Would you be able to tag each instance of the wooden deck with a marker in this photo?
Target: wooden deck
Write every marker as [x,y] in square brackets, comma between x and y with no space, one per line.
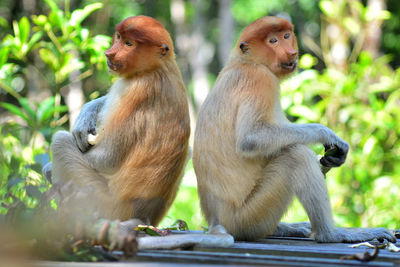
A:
[272,251]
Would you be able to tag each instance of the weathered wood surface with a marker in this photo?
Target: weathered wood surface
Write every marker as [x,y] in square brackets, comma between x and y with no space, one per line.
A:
[272,251]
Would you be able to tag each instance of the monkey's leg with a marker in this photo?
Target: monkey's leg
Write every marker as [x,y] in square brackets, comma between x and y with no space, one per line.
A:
[261,211]
[310,188]
[78,181]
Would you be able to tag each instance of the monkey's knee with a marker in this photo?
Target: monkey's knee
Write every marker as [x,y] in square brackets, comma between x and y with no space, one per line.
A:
[64,148]
[61,141]
[302,157]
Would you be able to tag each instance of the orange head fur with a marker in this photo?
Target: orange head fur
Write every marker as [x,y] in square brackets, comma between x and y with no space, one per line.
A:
[140,44]
[269,41]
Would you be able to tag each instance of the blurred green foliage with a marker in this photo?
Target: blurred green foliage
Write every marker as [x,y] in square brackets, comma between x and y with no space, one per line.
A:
[63,46]
[363,108]
[358,98]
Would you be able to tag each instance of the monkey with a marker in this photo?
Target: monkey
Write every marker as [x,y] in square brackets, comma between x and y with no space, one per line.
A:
[250,160]
[141,129]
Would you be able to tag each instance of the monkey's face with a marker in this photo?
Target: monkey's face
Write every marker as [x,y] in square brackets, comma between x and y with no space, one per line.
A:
[281,52]
[139,45]
[270,41]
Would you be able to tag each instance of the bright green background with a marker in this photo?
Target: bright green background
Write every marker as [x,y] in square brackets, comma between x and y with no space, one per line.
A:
[45,44]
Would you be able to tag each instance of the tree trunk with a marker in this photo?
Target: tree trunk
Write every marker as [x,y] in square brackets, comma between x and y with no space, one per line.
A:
[200,55]
[74,97]
[373,32]
[226,26]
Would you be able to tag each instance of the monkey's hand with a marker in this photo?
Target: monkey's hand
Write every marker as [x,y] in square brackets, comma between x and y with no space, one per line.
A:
[334,155]
[335,149]
[86,123]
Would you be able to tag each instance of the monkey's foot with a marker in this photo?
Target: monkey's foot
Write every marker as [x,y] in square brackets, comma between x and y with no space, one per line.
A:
[111,234]
[302,229]
[217,230]
[353,235]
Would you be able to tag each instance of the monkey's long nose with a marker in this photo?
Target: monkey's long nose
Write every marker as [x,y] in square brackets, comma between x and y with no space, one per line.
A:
[292,53]
[109,53]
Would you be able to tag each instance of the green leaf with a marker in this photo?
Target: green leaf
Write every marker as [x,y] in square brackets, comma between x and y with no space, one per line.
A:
[307,61]
[80,14]
[40,20]
[70,64]
[25,104]
[3,55]
[49,58]
[45,109]
[16,39]
[374,14]
[151,230]
[3,23]
[53,6]
[35,38]
[352,25]
[328,8]
[61,109]
[15,110]
[24,29]
[56,16]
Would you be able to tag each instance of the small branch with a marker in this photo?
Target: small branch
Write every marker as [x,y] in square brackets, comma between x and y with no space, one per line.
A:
[9,90]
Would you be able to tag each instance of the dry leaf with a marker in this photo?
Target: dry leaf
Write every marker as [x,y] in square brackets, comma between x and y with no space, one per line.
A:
[362,256]
[151,230]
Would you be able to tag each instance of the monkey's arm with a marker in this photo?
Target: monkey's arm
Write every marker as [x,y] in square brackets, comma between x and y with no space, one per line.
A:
[259,138]
[86,122]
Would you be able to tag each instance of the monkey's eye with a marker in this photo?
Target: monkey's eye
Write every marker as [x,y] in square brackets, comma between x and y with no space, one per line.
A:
[273,40]
[128,43]
[286,36]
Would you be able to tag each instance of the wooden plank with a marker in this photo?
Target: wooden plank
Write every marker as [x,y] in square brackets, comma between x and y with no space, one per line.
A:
[273,251]
[307,248]
[201,257]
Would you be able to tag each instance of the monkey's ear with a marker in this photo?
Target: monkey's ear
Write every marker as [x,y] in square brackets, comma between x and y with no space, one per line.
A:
[164,49]
[244,47]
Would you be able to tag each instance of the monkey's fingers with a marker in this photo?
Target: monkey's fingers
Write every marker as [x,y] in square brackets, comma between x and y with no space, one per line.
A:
[336,150]
[332,161]
[81,140]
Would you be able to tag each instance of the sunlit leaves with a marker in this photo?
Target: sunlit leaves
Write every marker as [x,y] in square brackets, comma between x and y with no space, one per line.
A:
[362,107]
[79,15]
[307,61]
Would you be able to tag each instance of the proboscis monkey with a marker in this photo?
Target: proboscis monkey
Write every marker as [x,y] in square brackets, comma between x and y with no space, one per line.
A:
[250,161]
[141,127]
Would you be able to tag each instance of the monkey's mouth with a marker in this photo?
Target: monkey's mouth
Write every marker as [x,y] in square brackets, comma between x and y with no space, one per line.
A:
[113,66]
[290,66]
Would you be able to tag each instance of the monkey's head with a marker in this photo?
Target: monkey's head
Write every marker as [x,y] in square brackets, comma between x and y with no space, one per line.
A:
[269,41]
[140,44]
